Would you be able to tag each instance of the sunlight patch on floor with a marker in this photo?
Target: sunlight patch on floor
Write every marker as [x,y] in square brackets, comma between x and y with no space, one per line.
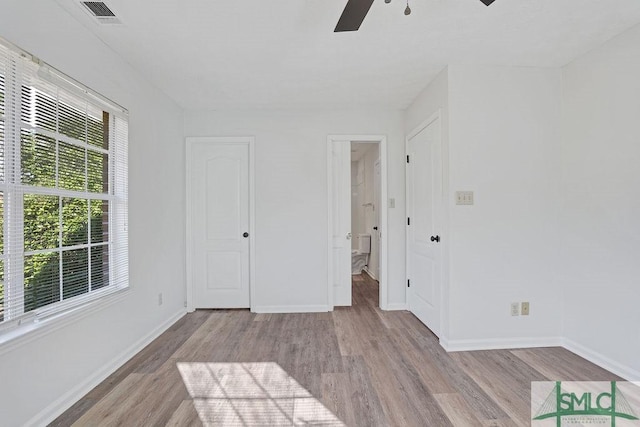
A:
[251,394]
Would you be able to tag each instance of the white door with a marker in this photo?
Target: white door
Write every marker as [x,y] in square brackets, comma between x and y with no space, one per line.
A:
[341,221]
[218,175]
[424,207]
[374,261]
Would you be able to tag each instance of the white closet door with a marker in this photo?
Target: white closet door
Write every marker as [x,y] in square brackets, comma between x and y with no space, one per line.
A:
[219,214]
[424,207]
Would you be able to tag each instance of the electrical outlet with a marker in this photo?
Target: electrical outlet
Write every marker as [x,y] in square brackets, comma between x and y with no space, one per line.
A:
[160,298]
[524,309]
[515,309]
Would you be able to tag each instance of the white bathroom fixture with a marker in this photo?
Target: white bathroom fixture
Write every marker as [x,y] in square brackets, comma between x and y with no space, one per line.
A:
[360,256]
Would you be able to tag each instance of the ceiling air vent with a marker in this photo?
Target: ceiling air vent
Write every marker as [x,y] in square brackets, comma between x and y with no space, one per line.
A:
[101,12]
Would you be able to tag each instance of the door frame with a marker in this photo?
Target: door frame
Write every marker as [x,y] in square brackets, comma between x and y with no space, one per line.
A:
[381,140]
[443,220]
[219,140]
[377,163]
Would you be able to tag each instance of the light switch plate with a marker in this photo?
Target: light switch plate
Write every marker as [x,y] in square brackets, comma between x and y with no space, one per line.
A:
[392,203]
[464,197]
[515,309]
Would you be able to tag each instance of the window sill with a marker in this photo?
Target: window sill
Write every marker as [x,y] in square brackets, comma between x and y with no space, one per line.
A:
[48,322]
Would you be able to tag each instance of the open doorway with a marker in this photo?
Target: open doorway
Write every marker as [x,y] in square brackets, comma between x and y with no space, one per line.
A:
[357,216]
[365,212]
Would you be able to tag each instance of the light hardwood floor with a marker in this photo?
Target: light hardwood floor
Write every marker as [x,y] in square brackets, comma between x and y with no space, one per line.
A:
[356,366]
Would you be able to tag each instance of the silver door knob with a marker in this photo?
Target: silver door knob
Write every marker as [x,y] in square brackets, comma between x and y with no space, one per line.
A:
[348,236]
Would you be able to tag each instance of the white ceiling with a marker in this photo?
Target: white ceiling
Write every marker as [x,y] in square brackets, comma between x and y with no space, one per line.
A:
[283,54]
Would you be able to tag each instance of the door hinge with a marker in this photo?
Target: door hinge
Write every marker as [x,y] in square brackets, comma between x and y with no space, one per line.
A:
[408,221]
[408,283]
[407,158]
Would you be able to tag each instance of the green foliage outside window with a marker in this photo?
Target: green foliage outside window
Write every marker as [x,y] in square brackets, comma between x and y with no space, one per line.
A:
[53,222]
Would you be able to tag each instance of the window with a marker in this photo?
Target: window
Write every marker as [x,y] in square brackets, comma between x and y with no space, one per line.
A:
[63,191]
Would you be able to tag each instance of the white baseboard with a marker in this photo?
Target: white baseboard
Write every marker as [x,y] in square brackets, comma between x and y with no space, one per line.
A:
[592,356]
[397,306]
[290,309]
[370,274]
[500,344]
[599,359]
[64,402]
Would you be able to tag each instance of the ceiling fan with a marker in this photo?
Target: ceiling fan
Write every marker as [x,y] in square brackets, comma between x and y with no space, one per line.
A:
[355,11]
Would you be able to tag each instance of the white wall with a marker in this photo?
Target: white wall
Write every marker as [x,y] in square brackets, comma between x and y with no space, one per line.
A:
[501,139]
[369,210]
[504,144]
[552,156]
[356,189]
[40,375]
[368,163]
[291,196]
[434,97]
[600,204]
[359,198]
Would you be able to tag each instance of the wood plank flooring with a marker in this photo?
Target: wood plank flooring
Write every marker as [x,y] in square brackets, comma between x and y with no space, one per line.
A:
[356,366]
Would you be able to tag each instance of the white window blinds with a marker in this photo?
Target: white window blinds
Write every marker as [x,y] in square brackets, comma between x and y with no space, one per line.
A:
[63,190]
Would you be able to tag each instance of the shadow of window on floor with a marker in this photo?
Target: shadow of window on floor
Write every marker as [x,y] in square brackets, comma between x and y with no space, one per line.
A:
[251,394]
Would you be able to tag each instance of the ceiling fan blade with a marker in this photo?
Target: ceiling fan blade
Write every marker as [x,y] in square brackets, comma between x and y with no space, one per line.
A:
[353,15]
[487,2]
